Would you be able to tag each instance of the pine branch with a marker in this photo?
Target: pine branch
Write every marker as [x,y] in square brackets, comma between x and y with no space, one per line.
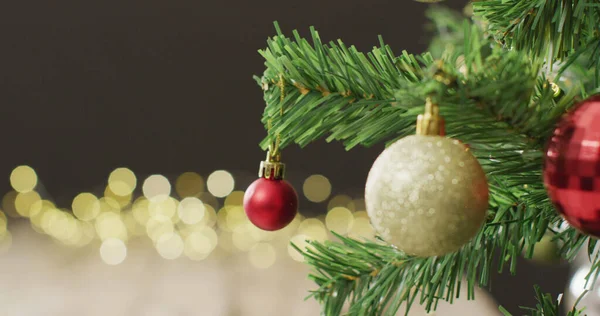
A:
[332,89]
[552,29]
[557,30]
[335,90]
[497,101]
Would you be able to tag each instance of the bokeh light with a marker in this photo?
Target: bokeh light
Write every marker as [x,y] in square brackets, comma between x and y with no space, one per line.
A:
[156,187]
[37,212]
[339,219]
[140,210]
[235,198]
[122,200]
[244,240]
[209,199]
[64,228]
[222,219]
[262,255]
[210,216]
[8,204]
[191,210]
[133,226]
[108,204]
[122,181]
[23,179]
[226,241]
[25,201]
[236,218]
[362,229]
[170,246]
[164,207]
[314,229]
[86,206]
[316,188]
[113,251]
[190,226]
[189,184]
[339,200]
[220,183]
[158,226]
[109,225]
[3,224]
[87,234]
[199,244]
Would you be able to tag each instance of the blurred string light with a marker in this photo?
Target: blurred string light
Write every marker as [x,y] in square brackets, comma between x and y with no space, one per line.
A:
[156,187]
[191,210]
[341,200]
[24,202]
[86,206]
[179,222]
[220,183]
[339,219]
[316,188]
[5,235]
[8,204]
[3,224]
[170,246]
[122,182]
[113,251]
[189,184]
[23,179]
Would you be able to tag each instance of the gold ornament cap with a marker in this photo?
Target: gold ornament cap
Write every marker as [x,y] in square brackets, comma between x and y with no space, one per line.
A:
[272,168]
[431,123]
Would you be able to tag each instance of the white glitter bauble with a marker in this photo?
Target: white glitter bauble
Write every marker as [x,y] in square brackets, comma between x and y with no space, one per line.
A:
[427,195]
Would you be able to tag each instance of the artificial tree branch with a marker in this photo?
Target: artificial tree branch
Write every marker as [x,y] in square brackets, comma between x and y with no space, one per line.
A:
[497,101]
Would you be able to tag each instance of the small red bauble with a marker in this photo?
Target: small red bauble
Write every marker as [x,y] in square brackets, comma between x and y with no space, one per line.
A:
[270,204]
[572,167]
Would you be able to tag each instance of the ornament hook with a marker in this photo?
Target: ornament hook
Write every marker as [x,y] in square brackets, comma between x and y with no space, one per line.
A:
[272,167]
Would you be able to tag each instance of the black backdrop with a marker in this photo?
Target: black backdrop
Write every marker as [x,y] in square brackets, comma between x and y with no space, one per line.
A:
[165,87]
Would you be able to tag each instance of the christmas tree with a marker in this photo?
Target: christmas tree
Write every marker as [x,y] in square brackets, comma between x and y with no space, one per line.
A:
[502,74]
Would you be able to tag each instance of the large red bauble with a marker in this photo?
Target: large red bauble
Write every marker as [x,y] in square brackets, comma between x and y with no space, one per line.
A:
[270,204]
[572,167]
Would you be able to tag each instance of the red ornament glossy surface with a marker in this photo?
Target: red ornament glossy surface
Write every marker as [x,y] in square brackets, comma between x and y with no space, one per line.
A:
[270,204]
[572,167]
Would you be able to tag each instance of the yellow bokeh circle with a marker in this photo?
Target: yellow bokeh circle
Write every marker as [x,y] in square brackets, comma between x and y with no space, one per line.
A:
[25,201]
[189,184]
[86,206]
[339,219]
[191,210]
[170,246]
[156,187]
[23,179]
[316,188]
[220,183]
[113,251]
[122,181]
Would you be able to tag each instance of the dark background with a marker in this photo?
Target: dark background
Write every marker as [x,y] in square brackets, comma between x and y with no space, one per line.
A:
[166,87]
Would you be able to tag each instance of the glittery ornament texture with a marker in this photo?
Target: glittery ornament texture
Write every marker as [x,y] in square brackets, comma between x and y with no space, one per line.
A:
[427,195]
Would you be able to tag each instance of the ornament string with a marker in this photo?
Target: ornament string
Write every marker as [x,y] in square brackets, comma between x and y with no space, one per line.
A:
[273,153]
